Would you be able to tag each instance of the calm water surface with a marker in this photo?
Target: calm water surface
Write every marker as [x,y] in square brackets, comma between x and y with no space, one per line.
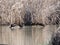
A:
[28,35]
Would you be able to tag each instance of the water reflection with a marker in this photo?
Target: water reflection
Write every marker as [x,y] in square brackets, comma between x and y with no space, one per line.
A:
[28,35]
[0,34]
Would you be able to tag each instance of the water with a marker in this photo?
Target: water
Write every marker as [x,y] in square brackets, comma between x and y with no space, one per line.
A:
[28,35]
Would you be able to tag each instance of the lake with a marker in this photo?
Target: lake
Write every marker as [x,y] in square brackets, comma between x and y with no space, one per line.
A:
[28,35]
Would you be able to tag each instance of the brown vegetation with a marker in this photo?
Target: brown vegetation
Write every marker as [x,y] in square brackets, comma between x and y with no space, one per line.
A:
[41,11]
